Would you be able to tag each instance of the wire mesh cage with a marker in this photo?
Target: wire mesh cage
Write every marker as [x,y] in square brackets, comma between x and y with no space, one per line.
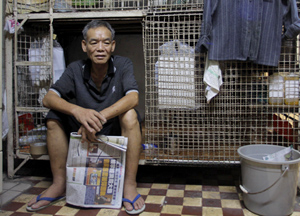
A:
[33,6]
[181,127]
[32,79]
[33,84]
[33,66]
[27,6]
[152,6]
[160,6]
[31,129]
[105,5]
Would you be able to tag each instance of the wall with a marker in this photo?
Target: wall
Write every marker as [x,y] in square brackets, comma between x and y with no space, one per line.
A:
[131,46]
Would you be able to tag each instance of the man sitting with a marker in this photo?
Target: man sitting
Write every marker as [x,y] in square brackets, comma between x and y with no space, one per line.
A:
[93,96]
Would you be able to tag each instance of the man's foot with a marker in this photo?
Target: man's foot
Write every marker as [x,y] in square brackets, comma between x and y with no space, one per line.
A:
[50,199]
[130,193]
[54,191]
[134,211]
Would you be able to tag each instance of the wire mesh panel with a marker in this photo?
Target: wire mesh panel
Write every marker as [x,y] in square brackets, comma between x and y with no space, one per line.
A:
[105,5]
[32,85]
[158,6]
[179,123]
[33,66]
[31,129]
[33,77]
[27,6]
[30,6]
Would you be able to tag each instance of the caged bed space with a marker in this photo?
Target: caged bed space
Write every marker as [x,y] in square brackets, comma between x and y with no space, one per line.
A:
[181,126]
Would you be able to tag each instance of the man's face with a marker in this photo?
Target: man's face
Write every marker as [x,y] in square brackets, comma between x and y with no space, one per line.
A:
[99,45]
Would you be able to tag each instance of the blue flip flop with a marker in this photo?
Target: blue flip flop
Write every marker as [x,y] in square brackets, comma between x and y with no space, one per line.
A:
[133,211]
[50,199]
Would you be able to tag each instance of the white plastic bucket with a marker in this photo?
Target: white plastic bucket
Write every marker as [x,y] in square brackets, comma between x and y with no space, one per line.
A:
[269,187]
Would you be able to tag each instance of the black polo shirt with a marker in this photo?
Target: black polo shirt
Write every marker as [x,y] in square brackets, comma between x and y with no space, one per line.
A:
[76,86]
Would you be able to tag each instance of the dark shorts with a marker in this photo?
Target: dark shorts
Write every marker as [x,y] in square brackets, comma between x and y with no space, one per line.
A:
[111,127]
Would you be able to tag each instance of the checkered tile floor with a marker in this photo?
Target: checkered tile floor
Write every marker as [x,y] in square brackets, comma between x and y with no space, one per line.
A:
[168,191]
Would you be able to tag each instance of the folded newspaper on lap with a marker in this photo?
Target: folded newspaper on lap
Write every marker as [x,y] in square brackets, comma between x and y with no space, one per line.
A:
[95,172]
[118,142]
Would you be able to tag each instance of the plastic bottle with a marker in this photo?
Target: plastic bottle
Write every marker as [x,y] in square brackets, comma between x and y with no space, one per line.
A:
[276,89]
[291,83]
[149,148]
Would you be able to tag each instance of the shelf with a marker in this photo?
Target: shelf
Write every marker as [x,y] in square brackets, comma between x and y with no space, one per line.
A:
[31,109]
[28,63]
[84,15]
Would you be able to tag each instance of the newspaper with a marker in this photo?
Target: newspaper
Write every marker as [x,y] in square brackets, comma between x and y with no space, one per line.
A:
[117,142]
[95,172]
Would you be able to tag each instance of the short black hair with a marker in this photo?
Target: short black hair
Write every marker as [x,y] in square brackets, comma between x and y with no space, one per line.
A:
[96,24]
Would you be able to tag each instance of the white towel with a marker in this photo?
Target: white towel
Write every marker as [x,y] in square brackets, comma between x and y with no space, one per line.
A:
[212,79]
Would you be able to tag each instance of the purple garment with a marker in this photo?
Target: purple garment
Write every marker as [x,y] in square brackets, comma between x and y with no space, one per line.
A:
[247,29]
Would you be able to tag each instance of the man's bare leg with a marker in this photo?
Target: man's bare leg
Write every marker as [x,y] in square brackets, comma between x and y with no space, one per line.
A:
[57,144]
[131,129]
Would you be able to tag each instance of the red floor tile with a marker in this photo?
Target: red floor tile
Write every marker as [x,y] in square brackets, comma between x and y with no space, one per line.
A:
[157,192]
[210,187]
[177,186]
[191,210]
[211,202]
[12,206]
[193,194]
[87,212]
[174,200]
[232,212]
[35,190]
[153,208]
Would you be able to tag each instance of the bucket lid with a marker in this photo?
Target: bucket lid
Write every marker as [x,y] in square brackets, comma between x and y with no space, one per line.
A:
[256,153]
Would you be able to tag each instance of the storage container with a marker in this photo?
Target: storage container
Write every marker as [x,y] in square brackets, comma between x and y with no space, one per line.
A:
[291,89]
[276,89]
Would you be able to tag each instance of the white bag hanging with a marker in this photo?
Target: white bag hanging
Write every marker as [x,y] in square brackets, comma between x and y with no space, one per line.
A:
[175,76]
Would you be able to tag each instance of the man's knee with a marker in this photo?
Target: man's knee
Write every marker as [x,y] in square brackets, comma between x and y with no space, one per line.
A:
[53,125]
[129,119]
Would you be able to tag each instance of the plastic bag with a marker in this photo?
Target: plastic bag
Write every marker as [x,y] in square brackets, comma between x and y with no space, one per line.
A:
[176,49]
[39,52]
[10,26]
[175,76]
[59,64]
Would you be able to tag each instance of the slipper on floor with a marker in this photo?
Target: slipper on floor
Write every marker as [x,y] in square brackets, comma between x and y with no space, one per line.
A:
[50,199]
[133,211]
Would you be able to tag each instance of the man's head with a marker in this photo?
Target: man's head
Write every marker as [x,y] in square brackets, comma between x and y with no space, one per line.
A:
[98,41]
[96,24]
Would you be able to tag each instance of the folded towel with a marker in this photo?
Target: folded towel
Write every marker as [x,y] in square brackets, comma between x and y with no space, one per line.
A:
[212,79]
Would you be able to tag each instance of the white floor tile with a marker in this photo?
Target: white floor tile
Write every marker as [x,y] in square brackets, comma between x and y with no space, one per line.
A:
[7,185]
[21,187]
[8,196]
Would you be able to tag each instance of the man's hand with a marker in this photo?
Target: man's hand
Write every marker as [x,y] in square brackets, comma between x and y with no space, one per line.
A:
[86,136]
[92,120]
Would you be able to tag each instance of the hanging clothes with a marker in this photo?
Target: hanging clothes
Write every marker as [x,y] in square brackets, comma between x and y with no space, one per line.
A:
[247,29]
[212,79]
